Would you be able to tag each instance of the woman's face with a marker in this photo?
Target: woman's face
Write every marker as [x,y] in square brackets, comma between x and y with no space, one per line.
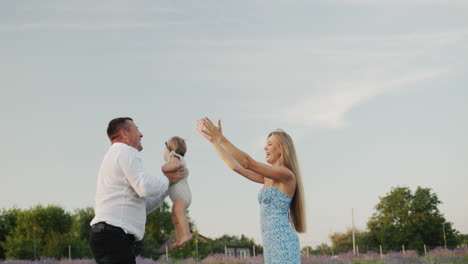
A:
[273,150]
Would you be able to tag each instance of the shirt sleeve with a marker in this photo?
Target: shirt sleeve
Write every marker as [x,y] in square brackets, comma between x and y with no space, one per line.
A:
[153,202]
[144,184]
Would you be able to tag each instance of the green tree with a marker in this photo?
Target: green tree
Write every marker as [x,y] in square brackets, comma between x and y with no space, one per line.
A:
[463,240]
[79,232]
[307,249]
[46,227]
[7,225]
[203,244]
[343,242]
[412,220]
[49,231]
[322,249]
[207,246]
[158,229]
[229,240]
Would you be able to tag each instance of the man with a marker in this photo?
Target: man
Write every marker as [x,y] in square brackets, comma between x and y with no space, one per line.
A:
[125,194]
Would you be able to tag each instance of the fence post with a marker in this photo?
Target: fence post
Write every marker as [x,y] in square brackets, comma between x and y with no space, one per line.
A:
[354,238]
[35,228]
[403,247]
[167,254]
[425,253]
[196,246]
[380,251]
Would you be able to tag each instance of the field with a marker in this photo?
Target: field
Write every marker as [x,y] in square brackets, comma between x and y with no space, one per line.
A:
[436,256]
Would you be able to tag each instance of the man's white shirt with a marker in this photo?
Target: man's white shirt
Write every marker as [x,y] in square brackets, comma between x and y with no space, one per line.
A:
[126,192]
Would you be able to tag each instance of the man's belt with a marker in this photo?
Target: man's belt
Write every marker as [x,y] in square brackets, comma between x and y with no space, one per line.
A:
[101,226]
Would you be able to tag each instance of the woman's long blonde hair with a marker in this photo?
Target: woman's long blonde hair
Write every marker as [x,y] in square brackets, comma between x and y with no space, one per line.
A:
[297,208]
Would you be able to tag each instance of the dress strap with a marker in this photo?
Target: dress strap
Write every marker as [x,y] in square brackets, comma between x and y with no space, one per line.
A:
[173,153]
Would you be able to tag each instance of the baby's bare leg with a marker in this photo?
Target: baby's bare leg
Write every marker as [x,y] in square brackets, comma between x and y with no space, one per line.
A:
[177,226]
[182,226]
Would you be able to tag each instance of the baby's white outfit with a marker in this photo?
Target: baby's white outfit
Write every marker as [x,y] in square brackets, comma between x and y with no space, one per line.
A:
[181,188]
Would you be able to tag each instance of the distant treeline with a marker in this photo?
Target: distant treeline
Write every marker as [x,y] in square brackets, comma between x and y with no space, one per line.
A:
[402,220]
[51,231]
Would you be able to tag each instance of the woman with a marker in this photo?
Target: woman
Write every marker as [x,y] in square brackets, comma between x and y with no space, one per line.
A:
[281,198]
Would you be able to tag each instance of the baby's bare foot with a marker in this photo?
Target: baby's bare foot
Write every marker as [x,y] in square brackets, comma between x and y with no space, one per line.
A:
[174,245]
[184,240]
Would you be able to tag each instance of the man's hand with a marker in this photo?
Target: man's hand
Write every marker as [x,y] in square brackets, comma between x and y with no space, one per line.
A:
[177,175]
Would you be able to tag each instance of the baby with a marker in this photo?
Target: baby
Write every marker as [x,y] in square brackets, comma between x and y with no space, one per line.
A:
[179,192]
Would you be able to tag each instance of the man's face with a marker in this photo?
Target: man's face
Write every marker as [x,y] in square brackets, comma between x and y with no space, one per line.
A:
[133,135]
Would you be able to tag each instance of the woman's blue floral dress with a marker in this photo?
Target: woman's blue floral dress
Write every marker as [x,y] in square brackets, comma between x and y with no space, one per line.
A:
[280,240]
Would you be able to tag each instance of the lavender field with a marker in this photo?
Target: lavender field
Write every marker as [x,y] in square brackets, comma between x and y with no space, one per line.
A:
[436,256]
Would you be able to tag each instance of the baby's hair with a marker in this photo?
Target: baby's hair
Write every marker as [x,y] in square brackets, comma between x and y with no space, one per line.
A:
[176,144]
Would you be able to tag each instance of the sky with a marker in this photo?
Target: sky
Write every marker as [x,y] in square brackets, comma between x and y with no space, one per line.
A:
[373,94]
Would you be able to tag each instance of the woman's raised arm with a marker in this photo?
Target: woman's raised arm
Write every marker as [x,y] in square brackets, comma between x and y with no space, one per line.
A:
[230,161]
[234,165]
[215,135]
[276,173]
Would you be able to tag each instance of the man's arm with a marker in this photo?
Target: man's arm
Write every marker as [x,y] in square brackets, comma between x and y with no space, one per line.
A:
[142,182]
[154,202]
[178,175]
[172,165]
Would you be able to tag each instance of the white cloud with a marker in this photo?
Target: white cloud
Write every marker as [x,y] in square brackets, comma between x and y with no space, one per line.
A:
[359,69]
[327,107]
[317,82]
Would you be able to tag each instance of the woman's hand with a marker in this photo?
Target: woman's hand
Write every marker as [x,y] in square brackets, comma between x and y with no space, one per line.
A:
[208,130]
